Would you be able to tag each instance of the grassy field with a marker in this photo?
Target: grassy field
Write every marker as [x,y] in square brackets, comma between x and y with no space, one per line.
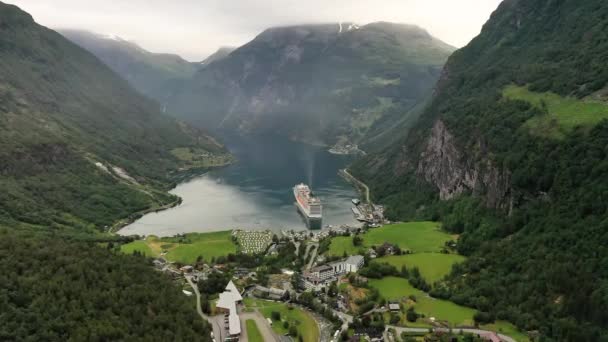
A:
[139,245]
[207,245]
[433,266]
[565,113]
[393,288]
[343,244]
[418,237]
[187,249]
[253,333]
[304,322]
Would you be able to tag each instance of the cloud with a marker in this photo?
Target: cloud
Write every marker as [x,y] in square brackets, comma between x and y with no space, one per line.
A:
[196,28]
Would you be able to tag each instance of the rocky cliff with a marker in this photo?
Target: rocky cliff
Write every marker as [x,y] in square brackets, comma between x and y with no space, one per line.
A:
[455,172]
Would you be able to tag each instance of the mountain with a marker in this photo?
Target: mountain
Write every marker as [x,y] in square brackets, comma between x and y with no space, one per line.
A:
[220,54]
[322,84]
[79,147]
[511,154]
[153,74]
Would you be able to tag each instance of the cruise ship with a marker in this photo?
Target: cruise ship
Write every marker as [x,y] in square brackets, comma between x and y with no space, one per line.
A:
[309,206]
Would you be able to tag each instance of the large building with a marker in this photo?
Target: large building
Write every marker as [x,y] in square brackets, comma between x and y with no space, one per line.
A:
[319,276]
[228,301]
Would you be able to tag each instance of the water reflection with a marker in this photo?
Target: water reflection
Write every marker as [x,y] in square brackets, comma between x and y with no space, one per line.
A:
[255,193]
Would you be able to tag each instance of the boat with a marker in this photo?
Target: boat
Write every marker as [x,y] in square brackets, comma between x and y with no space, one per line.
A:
[309,206]
[356,201]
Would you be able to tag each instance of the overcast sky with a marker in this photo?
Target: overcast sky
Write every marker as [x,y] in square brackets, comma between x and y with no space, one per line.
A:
[196,28]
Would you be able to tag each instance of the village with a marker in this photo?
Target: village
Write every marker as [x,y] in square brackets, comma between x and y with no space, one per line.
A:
[288,287]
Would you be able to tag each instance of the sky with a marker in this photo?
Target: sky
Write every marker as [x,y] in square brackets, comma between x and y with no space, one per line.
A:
[196,28]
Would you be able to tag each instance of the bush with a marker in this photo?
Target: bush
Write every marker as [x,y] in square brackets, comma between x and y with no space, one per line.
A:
[411,315]
[483,318]
[275,315]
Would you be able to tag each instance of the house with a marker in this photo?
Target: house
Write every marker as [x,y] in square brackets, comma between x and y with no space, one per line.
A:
[271,293]
[351,265]
[227,303]
[187,269]
[323,272]
[173,273]
[394,307]
[159,263]
[319,276]
[241,272]
[354,263]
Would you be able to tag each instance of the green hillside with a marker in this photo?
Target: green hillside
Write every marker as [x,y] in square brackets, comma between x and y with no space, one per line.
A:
[79,147]
[523,180]
[61,290]
[315,83]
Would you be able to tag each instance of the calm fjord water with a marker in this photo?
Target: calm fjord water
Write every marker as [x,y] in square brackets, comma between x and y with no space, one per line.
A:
[256,192]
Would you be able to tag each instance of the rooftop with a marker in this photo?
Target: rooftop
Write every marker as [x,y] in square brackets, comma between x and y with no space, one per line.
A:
[228,300]
[354,259]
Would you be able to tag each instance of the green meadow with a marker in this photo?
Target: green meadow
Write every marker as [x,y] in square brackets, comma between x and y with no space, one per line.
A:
[140,245]
[253,332]
[417,237]
[393,288]
[433,266]
[564,113]
[302,320]
[186,249]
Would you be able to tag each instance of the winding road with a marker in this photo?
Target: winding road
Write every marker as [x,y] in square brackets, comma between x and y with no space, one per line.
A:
[215,322]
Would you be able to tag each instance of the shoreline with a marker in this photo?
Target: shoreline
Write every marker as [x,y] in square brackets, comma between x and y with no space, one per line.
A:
[361,187]
[186,175]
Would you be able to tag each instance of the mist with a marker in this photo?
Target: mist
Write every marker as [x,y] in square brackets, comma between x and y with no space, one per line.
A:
[194,29]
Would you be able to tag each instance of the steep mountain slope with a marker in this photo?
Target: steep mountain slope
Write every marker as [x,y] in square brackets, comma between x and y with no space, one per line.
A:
[153,74]
[317,83]
[79,146]
[511,152]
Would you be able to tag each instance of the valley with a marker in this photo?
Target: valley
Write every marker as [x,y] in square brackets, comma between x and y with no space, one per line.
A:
[319,181]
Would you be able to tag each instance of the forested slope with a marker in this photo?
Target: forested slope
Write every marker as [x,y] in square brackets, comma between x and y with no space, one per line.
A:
[521,178]
[60,290]
[78,146]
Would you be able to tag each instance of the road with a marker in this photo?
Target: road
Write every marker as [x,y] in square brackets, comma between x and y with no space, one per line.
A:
[502,337]
[262,323]
[308,246]
[215,322]
[314,255]
[346,319]
[360,184]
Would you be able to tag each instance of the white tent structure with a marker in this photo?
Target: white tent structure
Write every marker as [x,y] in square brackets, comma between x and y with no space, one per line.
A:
[228,301]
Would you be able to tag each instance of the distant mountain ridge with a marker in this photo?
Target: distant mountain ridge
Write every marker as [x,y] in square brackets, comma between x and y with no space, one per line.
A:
[316,83]
[220,54]
[150,73]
